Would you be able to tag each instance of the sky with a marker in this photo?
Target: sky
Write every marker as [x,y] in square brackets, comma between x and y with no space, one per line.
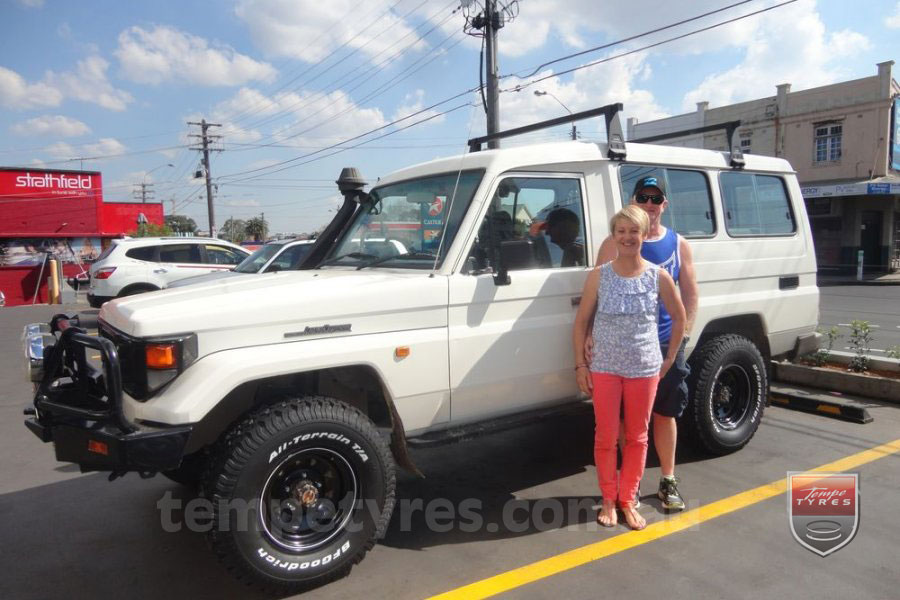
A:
[302,88]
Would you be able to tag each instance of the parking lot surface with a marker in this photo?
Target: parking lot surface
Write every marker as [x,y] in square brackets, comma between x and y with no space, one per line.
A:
[499,518]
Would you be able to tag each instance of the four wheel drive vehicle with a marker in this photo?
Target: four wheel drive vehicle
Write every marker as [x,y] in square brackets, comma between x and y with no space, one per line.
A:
[292,416]
[137,265]
[275,256]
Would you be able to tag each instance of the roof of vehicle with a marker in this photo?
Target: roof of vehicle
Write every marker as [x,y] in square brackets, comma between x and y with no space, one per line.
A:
[537,155]
[173,239]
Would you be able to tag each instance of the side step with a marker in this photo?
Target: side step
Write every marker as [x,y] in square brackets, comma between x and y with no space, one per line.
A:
[473,430]
[830,404]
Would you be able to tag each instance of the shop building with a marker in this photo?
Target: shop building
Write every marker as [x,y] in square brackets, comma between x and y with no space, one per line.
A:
[57,214]
[844,141]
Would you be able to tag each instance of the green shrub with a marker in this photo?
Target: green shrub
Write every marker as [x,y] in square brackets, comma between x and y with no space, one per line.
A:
[860,340]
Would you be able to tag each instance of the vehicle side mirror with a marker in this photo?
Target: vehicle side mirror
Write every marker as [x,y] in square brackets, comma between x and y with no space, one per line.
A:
[515,255]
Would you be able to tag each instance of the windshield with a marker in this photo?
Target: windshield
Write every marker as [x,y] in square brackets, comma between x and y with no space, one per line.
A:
[255,262]
[409,218]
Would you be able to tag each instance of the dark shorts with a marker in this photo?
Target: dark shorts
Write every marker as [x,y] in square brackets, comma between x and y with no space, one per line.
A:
[672,391]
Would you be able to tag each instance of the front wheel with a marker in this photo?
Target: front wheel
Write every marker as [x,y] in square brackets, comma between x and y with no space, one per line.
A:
[300,491]
[729,387]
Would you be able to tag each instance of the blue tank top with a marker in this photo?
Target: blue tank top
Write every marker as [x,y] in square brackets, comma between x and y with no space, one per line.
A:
[664,252]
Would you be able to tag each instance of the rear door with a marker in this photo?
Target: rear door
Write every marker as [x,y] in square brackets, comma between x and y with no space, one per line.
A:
[177,261]
[510,345]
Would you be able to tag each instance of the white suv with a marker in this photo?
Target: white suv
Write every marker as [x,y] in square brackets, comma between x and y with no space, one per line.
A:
[133,266]
[292,398]
[280,255]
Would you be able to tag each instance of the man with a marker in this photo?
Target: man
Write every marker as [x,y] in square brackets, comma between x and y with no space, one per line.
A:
[563,227]
[669,250]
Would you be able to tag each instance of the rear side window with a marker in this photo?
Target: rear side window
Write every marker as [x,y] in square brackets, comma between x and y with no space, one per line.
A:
[180,253]
[147,253]
[219,255]
[756,205]
[689,211]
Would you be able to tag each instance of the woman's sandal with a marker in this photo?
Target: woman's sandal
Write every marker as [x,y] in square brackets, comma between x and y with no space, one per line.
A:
[612,519]
[632,517]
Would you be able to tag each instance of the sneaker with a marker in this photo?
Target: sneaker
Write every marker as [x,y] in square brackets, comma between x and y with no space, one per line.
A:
[668,494]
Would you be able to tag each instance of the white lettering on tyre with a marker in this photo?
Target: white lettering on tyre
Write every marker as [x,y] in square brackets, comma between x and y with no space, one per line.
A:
[319,435]
[294,566]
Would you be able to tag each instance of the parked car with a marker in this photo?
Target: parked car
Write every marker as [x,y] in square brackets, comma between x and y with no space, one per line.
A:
[280,255]
[136,265]
[297,395]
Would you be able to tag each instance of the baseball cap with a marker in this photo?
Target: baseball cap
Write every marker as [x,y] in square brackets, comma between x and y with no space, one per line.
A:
[650,181]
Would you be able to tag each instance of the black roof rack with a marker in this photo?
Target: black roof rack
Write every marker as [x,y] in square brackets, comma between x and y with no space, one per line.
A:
[737,157]
[614,136]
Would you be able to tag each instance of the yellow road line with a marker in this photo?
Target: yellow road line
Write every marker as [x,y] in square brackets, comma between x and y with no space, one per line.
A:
[580,556]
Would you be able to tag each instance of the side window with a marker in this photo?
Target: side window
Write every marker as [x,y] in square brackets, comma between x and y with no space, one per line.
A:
[756,205]
[290,258]
[544,215]
[220,255]
[180,253]
[690,210]
[147,253]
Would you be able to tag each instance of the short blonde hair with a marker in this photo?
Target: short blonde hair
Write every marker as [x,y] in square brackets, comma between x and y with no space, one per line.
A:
[634,215]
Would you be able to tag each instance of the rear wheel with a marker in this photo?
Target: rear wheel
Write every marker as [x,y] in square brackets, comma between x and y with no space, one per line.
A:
[301,490]
[729,387]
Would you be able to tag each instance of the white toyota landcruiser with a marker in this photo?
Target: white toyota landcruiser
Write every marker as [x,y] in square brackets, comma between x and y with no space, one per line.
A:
[296,401]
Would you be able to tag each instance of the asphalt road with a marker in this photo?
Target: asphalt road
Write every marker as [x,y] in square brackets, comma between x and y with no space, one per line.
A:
[73,535]
[879,305]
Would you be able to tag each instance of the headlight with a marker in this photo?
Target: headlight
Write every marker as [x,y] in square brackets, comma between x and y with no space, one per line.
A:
[148,364]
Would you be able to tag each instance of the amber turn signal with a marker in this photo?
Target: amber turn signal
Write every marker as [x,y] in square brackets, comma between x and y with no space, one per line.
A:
[401,351]
[98,447]
[161,356]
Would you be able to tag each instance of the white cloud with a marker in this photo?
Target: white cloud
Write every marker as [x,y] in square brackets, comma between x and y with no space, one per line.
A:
[167,54]
[413,103]
[893,21]
[17,93]
[606,83]
[103,147]
[88,83]
[311,29]
[55,125]
[791,45]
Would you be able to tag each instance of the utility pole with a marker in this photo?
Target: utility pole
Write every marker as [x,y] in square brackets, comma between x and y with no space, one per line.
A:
[486,24]
[143,192]
[491,25]
[205,149]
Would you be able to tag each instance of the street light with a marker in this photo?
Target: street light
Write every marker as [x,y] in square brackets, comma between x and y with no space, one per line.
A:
[156,169]
[540,93]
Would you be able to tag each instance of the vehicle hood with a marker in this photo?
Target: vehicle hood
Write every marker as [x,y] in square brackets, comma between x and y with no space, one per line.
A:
[287,306]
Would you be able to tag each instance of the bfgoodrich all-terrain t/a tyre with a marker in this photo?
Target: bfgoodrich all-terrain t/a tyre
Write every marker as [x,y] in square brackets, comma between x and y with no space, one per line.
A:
[300,490]
[729,387]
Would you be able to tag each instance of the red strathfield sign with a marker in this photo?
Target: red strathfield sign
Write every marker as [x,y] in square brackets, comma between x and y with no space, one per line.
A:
[45,184]
[823,509]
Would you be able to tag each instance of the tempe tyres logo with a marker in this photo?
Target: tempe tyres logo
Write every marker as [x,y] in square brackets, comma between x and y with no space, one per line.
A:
[823,509]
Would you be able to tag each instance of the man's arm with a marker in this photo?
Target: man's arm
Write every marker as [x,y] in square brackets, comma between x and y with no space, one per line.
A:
[687,283]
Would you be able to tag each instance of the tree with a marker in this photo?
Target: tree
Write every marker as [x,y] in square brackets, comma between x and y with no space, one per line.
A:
[151,230]
[181,224]
[233,230]
[257,228]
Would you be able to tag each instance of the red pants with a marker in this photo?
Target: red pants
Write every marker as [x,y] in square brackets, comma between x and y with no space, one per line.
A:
[638,394]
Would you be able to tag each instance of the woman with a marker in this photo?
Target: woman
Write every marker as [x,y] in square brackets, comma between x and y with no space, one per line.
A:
[627,362]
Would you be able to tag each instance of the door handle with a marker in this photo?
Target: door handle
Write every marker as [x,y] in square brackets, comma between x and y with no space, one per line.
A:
[576,300]
[160,271]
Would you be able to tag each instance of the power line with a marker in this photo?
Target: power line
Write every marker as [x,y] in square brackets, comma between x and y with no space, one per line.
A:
[522,86]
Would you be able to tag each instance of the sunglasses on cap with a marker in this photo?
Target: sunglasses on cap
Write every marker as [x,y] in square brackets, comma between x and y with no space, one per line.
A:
[654,198]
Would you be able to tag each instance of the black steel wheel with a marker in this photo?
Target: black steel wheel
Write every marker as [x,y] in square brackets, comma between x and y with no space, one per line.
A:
[729,386]
[301,490]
